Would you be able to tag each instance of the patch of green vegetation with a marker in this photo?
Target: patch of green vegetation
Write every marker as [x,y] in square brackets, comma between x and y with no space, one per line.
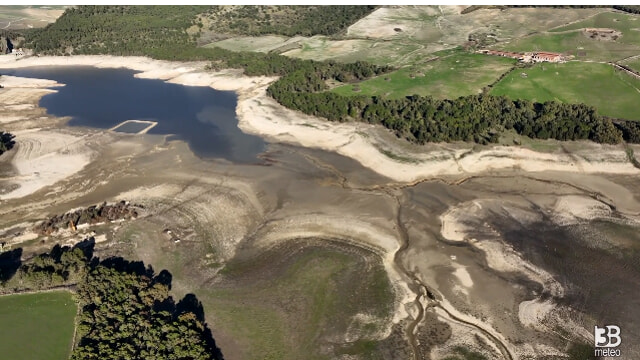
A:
[510,138]
[366,348]
[541,145]
[37,326]
[287,305]
[581,46]
[445,78]
[612,92]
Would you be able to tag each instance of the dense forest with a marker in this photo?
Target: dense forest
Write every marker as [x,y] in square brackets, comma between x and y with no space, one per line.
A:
[118,30]
[284,19]
[6,141]
[474,118]
[126,310]
[161,33]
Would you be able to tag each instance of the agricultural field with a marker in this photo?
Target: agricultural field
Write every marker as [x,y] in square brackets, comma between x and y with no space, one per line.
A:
[448,77]
[294,300]
[37,326]
[22,17]
[572,40]
[616,93]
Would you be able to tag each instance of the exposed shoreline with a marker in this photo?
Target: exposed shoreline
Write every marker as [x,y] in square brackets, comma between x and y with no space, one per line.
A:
[261,115]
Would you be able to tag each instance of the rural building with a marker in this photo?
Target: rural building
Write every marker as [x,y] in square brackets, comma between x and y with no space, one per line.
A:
[546,57]
[525,57]
[513,55]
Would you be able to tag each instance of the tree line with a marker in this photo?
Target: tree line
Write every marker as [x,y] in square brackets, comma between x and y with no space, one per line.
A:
[633,9]
[303,83]
[126,310]
[473,118]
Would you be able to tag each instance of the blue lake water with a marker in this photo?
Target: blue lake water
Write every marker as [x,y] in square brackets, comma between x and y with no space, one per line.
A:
[103,98]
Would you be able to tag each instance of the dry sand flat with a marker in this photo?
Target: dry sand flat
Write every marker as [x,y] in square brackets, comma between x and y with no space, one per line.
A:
[44,157]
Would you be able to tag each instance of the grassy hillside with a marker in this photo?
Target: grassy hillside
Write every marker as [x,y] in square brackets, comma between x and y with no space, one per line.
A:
[572,40]
[37,326]
[446,78]
[289,304]
[612,92]
[575,43]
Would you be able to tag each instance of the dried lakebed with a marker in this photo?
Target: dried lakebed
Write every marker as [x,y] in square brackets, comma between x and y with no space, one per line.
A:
[310,247]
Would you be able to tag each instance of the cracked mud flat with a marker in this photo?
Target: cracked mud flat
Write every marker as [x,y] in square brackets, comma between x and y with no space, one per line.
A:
[511,263]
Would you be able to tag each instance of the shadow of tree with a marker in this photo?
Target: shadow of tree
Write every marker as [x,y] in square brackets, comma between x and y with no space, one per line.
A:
[190,303]
[10,262]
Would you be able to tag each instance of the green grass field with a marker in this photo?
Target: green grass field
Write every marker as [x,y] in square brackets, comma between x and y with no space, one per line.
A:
[287,306]
[612,92]
[449,77]
[37,326]
[576,44]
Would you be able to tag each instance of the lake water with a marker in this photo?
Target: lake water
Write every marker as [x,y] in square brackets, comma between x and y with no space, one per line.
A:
[103,98]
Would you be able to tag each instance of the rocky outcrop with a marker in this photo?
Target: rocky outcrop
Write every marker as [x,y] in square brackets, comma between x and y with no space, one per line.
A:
[122,210]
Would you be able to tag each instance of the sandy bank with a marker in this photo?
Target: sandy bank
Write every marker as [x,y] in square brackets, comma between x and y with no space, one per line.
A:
[44,158]
[258,114]
[9,81]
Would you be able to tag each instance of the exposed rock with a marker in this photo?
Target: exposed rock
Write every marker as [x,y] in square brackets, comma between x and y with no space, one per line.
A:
[94,214]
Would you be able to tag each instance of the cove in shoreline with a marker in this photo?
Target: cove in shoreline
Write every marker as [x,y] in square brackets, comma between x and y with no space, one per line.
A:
[104,98]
